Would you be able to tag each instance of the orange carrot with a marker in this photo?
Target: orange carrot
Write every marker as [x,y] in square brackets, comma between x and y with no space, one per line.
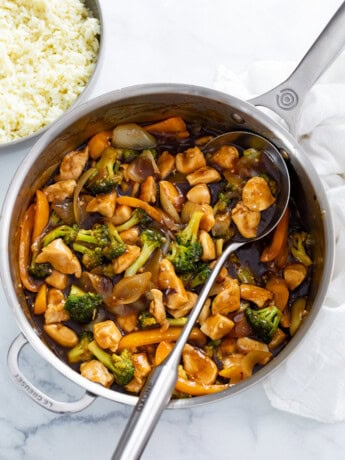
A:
[173,125]
[24,249]
[41,214]
[278,241]
[98,143]
[40,304]
[280,292]
[151,336]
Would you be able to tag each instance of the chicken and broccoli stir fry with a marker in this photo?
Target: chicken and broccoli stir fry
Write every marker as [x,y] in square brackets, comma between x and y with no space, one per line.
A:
[116,246]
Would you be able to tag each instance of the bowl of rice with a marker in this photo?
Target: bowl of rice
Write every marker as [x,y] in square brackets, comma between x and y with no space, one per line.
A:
[49,55]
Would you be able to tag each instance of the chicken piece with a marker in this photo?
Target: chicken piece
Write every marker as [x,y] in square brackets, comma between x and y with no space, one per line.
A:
[246,221]
[245,345]
[207,221]
[95,371]
[57,279]
[59,255]
[208,247]
[178,311]
[73,164]
[204,175]
[166,164]
[227,346]
[148,190]
[190,160]
[60,190]
[217,326]
[255,294]
[121,215]
[142,368]
[199,194]
[157,309]
[279,288]
[256,194]
[198,365]
[228,299]
[55,311]
[226,157]
[167,279]
[61,334]
[171,199]
[107,335]
[128,322]
[104,204]
[130,236]
[294,275]
[121,263]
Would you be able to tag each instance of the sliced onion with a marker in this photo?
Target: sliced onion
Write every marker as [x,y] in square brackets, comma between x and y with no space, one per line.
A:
[129,289]
[139,169]
[80,185]
[132,136]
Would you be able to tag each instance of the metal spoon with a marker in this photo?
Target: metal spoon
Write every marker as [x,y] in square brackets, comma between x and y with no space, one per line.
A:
[156,393]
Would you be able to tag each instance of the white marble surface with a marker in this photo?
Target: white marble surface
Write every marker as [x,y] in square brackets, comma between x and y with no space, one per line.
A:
[170,41]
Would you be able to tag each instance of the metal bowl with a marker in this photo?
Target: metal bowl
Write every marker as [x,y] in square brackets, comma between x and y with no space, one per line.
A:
[94,7]
[149,103]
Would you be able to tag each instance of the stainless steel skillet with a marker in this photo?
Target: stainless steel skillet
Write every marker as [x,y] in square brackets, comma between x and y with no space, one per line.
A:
[217,110]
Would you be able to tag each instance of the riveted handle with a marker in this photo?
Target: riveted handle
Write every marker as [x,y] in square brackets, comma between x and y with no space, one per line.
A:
[287,98]
[34,393]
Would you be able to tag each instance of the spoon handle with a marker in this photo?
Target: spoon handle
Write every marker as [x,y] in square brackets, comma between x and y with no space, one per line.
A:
[157,391]
[287,98]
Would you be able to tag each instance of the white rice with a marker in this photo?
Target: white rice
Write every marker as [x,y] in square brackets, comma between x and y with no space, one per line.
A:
[48,51]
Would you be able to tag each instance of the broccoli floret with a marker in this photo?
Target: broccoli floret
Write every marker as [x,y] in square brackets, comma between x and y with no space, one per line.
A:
[186,251]
[81,352]
[120,365]
[222,203]
[128,155]
[145,319]
[201,276]
[39,271]
[82,306]
[298,241]
[66,232]
[264,321]
[98,235]
[150,239]
[139,216]
[115,246]
[107,175]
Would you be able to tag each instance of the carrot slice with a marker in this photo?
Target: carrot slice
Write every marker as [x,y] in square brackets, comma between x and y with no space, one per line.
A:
[40,304]
[151,336]
[173,125]
[24,249]
[98,143]
[278,241]
[41,214]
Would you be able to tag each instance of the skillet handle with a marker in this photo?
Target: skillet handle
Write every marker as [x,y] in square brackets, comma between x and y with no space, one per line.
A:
[287,98]
[34,393]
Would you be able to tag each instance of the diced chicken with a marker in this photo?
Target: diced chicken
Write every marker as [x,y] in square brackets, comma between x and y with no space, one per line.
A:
[61,334]
[142,368]
[59,255]
[217,326]
[55,311]
[61,190]
[107,335]
[208,247]
[166,164]
[157,308]
[121,215]
[279,288]
[226,157]
[228,299]
[294,275]
[121,263]
[57,279]
[104,204]
[246,221]
[190,160]
[246,344]
[73,164]
[178,311]
[255,294]
[207,220]
[148,190]
[130,236]
[198,365]
[199,194]
[95,371]
[256,194]
[204,175]
[128,322]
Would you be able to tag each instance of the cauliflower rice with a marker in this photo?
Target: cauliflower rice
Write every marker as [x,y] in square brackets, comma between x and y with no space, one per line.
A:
[48,51]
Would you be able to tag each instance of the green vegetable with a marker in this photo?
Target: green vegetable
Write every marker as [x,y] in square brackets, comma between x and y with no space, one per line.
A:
[39,271]
[108,174]
[115,246]
[186,251]
[139,216]
[150,239]
[66,232]
[82,306]
[81,352]
[298,241]
[264,321]
[145,319]
[120,365]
